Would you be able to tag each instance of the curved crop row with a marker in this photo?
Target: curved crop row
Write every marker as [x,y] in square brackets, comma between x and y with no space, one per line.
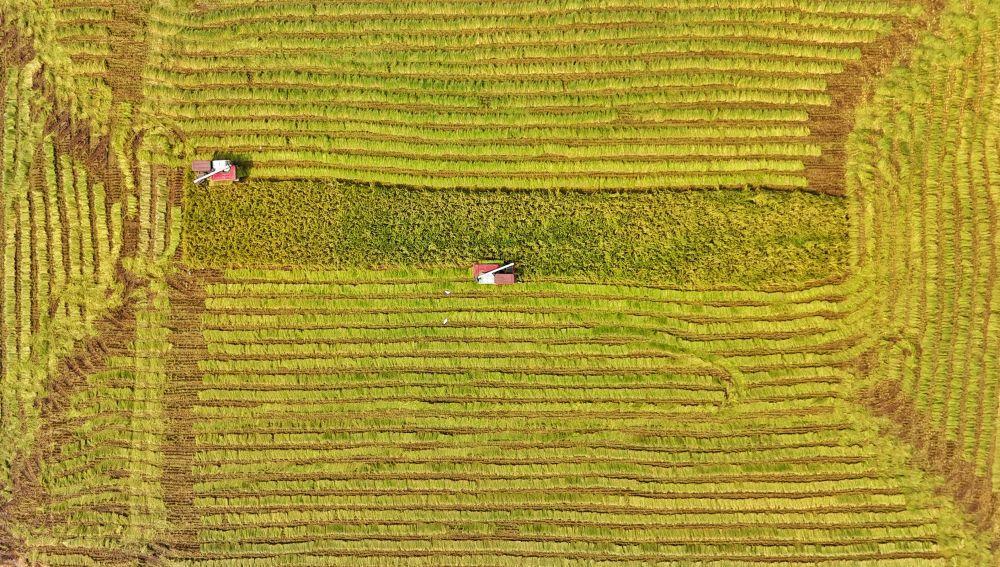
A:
[61,238]
[514,64]
[925,195]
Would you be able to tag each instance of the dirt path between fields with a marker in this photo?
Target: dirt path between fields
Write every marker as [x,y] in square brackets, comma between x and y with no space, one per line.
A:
[187,302]
[933,452]
[830,126]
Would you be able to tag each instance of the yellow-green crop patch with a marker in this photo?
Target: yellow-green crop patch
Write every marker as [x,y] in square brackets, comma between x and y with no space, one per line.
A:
[690,239]
[755,322]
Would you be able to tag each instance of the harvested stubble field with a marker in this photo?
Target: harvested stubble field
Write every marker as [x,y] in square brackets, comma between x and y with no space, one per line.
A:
[756,322]
[552,94]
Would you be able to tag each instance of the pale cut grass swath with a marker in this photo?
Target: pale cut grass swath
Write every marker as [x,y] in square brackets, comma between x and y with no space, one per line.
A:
[56,274]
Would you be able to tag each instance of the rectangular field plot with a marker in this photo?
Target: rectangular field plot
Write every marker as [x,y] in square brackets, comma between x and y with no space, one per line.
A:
[521,95]
[414,418]
[689,239]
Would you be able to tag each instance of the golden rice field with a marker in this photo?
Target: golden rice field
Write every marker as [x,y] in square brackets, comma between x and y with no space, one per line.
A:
[756,322]
[523,95]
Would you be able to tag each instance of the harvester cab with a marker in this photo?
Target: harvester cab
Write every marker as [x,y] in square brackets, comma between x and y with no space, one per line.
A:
[215,171]
[494,274]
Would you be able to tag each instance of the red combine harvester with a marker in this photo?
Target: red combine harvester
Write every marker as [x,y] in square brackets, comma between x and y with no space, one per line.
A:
[494,274]
[215,171]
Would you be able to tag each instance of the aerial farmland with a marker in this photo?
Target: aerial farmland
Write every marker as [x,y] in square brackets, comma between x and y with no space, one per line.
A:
[529,283]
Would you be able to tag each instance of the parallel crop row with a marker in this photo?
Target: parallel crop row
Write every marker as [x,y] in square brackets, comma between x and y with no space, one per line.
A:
[515,77]
[926,199]
[354,418]
[104,457]
[61,238]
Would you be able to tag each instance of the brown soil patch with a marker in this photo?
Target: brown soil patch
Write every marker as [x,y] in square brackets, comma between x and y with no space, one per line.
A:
[15,49]
[933,452]
[187,302]
[830,126]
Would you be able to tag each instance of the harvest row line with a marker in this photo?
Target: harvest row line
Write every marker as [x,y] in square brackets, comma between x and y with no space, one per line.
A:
[541,51]
[243,281]
[361,99]
[247,31]
[838,7]
[60,237]
[471,14]
[939,263]
[665,69]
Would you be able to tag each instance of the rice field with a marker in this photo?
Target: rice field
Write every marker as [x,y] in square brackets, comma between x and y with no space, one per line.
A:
[61,237]
[415,417]
[434,422]
[525,95]
[940,262]
[754,323]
